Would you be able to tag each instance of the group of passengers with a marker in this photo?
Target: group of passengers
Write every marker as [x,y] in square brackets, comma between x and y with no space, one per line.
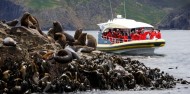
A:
[120,35]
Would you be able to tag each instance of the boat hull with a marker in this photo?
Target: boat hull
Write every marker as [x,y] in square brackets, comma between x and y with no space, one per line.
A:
[133,47]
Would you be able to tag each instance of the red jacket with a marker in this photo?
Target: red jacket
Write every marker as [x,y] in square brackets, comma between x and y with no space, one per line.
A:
[158,35]
[136,37]
[125,38]
[152,34]
[143,36]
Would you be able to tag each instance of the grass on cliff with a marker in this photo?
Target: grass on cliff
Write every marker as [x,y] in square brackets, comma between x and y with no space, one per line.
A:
[43,4]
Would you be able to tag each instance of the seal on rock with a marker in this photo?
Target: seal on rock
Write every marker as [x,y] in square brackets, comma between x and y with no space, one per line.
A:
[63,56]
[12,23]
[30,21]
[8,41]
[91,41]
[57,28]
[78,32]
[25,21]
[81,40]
[84,49]
[35,23]
[70,39]
[74,54]
[51,33]
[61,39]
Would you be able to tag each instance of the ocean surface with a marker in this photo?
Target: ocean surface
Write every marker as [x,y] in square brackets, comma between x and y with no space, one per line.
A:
[173,58]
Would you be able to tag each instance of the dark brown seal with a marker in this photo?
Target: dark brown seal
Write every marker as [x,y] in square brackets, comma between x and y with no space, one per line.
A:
[78,32]
[51,33]
[91,41]
[63,56]
[81,40]
[25,20]
[12,23]
[61,39]
[30,21]
[57,28]
[70,39]
[35,23]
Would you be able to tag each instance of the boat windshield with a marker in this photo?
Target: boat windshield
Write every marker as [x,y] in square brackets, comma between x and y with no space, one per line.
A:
[117,35]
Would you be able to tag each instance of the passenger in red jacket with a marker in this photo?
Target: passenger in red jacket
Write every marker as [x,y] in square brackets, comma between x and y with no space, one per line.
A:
[158,34]
[132,36]
[136,36]
[143,36]
[152,34]
[125,38]
[109,34]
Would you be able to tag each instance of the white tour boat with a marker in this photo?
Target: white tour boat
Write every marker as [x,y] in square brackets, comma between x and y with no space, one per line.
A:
[136,37]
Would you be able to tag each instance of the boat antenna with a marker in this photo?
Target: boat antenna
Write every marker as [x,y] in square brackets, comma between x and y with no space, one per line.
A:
[111,10]
[124,8]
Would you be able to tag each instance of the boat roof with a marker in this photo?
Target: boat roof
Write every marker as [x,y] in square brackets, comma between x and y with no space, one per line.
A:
[122,23]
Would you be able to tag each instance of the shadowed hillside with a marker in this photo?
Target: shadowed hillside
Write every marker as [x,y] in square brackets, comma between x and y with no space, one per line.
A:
[177,19]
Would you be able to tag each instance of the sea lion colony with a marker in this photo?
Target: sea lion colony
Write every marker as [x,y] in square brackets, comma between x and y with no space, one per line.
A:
[32,61]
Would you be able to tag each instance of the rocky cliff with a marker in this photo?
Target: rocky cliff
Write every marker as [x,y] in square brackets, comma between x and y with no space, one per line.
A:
[87,13]
[9,10]
[177,19]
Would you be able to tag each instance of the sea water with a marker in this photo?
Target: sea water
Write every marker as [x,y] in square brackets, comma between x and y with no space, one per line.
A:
[173,58]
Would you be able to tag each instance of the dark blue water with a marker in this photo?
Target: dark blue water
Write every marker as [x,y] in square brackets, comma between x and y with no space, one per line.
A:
[173,58]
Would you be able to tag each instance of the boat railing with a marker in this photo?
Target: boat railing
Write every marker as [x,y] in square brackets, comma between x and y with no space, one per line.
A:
[116,40]
[120,40]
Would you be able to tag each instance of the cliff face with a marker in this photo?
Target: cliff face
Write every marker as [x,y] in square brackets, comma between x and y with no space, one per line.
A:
[9,10]
[177,19]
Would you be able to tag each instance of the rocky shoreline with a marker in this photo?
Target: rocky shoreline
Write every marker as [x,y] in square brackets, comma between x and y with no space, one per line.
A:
[33,62]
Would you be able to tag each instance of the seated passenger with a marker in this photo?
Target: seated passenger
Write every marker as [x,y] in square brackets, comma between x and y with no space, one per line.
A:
[120,37]
[152,34]
[125,38]
[136,36]
[104,35]
[143,36]
[109,34]
[158,34]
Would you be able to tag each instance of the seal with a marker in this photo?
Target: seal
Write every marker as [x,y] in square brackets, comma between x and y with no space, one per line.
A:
[57,28]
[35,23]
[51,33]
[81,40]
[61,39]
[25,20]
[30,21]
[74,54]
[91,41]
[84,49]
[70,39]
[6,75]
[63,56]
[12,23]
[78,32]
[8,41]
